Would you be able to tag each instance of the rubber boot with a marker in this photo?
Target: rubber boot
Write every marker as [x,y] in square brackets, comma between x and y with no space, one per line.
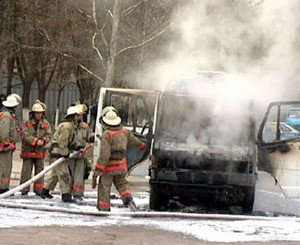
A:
[38,193]
[67,198]
[129,201]
[78,198]
[45,194]
[3,190]
[24,193]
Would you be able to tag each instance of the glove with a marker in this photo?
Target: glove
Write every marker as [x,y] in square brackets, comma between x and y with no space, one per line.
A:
[98,172]
[66,156]
[92,139]
[87,171]
[79,147]
[81,153]
[6,147]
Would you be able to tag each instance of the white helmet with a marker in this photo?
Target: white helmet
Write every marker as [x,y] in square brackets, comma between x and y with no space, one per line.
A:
[37,107]
[82,108]
[72,110]
[41,103]
[18,98]
[111,118]
[11,101]
[107,109]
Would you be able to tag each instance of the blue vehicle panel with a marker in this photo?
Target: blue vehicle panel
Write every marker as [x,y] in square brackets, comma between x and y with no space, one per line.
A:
[293,117]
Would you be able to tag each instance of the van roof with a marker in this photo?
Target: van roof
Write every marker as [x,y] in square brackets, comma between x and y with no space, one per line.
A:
[294,108]
[205,83]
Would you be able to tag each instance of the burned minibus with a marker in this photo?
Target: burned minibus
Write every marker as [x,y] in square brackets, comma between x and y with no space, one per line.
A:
[204,143]
[200,137]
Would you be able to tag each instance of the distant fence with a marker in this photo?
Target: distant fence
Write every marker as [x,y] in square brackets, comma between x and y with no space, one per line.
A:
[69,94]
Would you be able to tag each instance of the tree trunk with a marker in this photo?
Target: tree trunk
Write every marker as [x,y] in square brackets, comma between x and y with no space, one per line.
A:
[42,93]
[26,94]
[57,108]
[110,72]
[10,69]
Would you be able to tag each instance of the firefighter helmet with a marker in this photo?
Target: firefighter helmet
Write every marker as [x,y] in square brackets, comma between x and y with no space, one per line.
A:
[41,103]
[37,107]
[11,101]
[111,118]
[107,109]
[82,108]
[18,97]
[72,110]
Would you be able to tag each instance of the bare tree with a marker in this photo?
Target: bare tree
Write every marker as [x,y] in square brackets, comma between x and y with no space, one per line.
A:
[64,77]
[116,30]
[100,38]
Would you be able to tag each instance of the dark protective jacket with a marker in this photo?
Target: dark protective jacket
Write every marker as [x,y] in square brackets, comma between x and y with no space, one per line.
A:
[32,132]
[113,145]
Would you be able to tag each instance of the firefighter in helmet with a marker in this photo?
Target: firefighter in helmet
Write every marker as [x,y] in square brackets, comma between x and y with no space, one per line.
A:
[111,165]
[36,135]
[64,141]
[8,139]
[79,166]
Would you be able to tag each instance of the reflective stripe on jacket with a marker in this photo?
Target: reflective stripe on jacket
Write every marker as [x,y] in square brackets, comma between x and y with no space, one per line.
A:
[32,132]
[113,145]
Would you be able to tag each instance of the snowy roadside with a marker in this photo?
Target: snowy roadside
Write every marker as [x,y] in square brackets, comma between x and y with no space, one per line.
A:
[279,229]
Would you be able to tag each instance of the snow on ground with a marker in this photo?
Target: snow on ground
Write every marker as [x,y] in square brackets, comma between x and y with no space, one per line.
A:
[209,230]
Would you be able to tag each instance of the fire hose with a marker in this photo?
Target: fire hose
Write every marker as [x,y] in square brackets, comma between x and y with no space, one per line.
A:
[40,174]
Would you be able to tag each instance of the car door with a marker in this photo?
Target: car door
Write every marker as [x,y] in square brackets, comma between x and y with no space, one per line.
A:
[137,111]
[279,146]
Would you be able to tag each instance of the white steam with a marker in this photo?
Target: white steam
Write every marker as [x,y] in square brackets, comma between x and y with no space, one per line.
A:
[258,40]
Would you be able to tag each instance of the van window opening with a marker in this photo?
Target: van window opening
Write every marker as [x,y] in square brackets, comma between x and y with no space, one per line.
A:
[188,119]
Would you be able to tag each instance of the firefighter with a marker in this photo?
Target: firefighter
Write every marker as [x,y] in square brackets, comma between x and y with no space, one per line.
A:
[8,139]
[111,165]
[78,165]
[36,134]
[64,141]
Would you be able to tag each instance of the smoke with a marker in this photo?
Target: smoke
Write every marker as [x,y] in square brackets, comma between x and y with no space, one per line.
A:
[258,40]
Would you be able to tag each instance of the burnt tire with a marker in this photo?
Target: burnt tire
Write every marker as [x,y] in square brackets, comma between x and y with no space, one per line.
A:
[157,201]
[249,198]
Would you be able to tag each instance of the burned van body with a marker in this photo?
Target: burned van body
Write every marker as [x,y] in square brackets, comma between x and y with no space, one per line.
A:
[200,138]
[204,144]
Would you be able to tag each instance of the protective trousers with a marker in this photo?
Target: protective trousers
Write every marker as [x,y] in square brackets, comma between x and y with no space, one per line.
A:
[76,166]
[27,167]
[104,186]
[60,173]
[5,169]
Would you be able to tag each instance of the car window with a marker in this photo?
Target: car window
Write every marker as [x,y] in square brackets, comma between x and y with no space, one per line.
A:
[284,128]
[124,106]
[284,115]
[269,131]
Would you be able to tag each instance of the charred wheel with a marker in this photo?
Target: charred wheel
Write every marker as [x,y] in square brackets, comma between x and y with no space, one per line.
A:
[157,200]
[248,202]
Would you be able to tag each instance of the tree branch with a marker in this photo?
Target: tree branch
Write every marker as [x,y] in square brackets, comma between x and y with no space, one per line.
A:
[96,33]
[82,66]
[52,72]
[145,41]
[130,9]
[65,55]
